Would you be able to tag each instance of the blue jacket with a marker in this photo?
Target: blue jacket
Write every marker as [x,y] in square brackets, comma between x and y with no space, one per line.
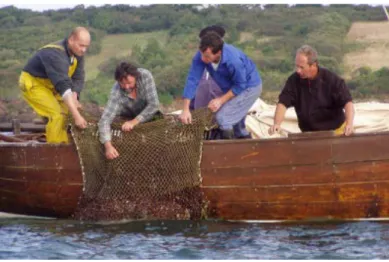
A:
[235,72]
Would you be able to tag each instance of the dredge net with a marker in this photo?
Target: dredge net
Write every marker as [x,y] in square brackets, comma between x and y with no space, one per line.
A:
[156,176]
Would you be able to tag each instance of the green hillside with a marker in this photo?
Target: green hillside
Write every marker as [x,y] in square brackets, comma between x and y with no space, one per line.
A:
[118,46]
[163,39]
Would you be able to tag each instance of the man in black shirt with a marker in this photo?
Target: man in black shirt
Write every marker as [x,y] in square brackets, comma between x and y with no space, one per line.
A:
[321,98]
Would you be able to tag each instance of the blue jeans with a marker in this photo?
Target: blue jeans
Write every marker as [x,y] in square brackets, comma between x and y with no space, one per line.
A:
[232,115]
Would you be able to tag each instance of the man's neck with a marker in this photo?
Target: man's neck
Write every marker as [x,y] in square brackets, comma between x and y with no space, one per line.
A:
[315,73]
[68,47]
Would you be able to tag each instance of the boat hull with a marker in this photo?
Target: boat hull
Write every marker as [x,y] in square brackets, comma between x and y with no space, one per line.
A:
[39,179]
[312,177]
[301,178]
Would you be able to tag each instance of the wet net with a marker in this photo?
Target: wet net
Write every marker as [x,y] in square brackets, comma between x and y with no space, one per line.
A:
[156,176]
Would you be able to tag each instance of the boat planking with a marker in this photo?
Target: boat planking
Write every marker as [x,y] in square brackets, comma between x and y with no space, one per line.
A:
[304,177]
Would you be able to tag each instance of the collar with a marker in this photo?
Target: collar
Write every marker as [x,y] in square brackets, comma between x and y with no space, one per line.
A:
[66,46]
[224,56]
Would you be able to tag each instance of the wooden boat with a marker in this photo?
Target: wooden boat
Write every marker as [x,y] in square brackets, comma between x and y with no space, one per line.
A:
[308,176]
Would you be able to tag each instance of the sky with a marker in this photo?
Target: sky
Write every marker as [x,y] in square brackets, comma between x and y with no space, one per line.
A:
[59,4]
[41,5]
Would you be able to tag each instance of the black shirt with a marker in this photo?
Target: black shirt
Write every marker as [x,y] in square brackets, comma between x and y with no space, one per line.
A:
[319,102]
[53,63]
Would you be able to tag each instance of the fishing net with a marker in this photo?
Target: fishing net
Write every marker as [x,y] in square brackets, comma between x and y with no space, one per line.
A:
[156,176]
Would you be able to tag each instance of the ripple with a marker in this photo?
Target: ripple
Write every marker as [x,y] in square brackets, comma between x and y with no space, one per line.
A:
[63,239]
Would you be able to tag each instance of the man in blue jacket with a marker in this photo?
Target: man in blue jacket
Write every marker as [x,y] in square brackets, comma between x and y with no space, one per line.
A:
[207,88]
[237,77]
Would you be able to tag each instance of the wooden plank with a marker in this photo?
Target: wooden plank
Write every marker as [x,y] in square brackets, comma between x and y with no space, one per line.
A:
[40,157]
[12,185]
[56,176]
[38,196]
[22,203]
[40,180]
[43,190]
[25,199]
[71,192]
[306,211]
[377,191]
[15,207]
[317,134]
[266,153]
[12,156]
[27,127]
[362,171]
[10,138]
[289,194]
[282,175]
[364,191]
[43,157]
[360,148]
[368,171]
[29,174]
[31,136]
[300,202]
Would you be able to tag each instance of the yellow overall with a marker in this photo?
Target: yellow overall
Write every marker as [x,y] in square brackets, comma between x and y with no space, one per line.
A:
[47,102]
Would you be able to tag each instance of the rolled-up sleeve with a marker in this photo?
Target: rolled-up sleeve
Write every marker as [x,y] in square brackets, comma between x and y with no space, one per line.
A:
[110,111]
[287,96]
[151,97]
[57,67]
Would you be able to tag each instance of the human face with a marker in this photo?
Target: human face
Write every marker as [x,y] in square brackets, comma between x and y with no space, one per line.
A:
[208,57]
[78,44]
[303,69]
[128,83]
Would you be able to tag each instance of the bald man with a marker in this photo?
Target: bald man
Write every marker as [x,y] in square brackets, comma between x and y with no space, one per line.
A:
[52,80]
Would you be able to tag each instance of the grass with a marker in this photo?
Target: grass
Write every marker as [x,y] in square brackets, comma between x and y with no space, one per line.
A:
[119,45]
[368,44]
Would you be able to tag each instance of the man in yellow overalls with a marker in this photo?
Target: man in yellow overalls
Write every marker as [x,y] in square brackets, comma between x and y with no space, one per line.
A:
[52,80]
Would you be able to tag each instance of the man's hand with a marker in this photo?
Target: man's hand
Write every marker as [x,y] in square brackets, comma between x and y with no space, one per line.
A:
[274,129]
[80,122]
[185,117]
[71,102]
[215,104]
[278,118]
[75,96]
[348,129]
[129,125]
[110,151]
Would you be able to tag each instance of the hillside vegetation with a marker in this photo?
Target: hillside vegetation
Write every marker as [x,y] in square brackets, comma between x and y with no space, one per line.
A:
[119,45]
[373,39]
[164,38]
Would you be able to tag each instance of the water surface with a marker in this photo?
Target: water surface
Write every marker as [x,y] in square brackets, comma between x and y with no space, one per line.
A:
[29,238]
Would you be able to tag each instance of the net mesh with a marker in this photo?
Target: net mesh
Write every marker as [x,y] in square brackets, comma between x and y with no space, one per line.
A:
[156,176]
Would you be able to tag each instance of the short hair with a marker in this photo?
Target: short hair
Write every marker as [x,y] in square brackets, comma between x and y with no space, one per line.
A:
[77,30]
[211,40]
[125,69]
[310,53]
[213,28]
